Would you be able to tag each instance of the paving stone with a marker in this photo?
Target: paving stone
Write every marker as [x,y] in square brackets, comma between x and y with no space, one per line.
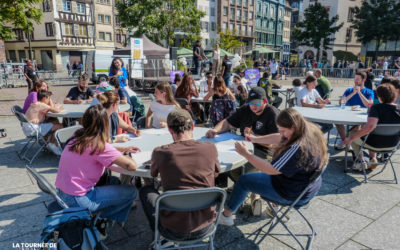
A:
[352,245]
[137,222]
[12,180]
[15,198]
[140,241]
[267,243]
[365,199]
[382,233]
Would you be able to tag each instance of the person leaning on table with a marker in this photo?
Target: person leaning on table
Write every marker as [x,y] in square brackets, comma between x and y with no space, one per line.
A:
[300,150]
[257,116]
[81,93]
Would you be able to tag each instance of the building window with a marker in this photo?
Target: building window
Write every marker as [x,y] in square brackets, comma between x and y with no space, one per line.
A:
[239,2]
[349,34]
[238,28]
[232,2]
[101,36]
[108,36]
[66,5]
[117,20]
[259,4]
[19,34]
[245,15]
[107,19]
[212,11]
[245,3]
[233,13]
[350,16]
[81,8]
[104,2]
[244,30]
[213,26]
[206,27]
[231,27]
[250,30]
[251,15]
[123,39]
[225,27]
[239,14]
[82,30]
[225,11]
[118,38]
[272,12]
[251,2]
[266,10]
[49,29]
[69,29]
[46,6]
[100,18]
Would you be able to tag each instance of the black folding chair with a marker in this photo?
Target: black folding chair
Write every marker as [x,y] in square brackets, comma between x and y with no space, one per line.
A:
[384,130]
[279,215]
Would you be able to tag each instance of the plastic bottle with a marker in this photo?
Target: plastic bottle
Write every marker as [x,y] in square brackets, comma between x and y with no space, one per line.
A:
[343,102]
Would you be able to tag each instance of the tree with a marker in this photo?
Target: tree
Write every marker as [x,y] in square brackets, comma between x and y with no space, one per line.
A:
[317,28]
[18,14]
[377,20]
[227,40]
[160,20]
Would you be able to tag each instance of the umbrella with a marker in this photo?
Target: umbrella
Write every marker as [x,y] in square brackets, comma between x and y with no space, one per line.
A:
[223,53]
[184,52]
[261,50]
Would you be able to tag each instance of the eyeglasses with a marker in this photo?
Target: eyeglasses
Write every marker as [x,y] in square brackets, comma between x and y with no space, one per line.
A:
[209,77]
[257,104]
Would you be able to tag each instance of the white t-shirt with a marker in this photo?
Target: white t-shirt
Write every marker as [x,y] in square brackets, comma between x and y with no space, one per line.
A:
[309,97]
[217,54]
[297,94]
[274,67]
[385,65]
[160,112]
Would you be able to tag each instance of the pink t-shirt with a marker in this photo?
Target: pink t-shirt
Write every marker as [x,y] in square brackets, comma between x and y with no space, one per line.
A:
[31,98]
[77,174]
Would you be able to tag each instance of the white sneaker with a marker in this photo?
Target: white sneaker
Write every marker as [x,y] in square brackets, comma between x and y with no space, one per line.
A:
[340,145]
[256,207]
[226,221]
[53,148]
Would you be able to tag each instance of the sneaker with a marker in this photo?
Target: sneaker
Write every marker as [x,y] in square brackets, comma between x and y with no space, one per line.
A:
[358,166]
[101,226]
[373,163]
[53,148]
[226,221]
[339,145]
[256,207]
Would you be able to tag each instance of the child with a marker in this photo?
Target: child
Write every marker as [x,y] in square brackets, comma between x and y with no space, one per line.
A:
[297,88]
[241,95]
[36,115]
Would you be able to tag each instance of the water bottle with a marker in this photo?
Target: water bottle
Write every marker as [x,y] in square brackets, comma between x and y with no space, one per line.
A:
[343,102]
[370,102]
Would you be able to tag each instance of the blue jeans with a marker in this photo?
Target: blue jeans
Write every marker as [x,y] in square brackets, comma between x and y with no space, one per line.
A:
[113,201]
[196,66]
[226,79]
[258,183]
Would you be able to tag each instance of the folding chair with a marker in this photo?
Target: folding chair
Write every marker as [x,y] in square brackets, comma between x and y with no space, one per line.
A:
[64,134]
[292,102]
[384,130]
[184,103]
[33,139]
[187,201]
[279,218]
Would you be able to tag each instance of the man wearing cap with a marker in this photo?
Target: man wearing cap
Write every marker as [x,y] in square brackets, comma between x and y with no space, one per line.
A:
[183,164]
[256,117]
[81,93]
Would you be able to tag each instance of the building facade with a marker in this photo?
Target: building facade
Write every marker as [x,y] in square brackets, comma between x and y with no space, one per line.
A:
[208,23]
[237,16]
[286,32]
[345,38]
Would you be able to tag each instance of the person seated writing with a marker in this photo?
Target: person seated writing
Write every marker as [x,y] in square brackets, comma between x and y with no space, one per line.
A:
[32,96]
[300,151]
[36,115]
[81,93]
[358,95]
[387,112]
[183,164]
[83,161]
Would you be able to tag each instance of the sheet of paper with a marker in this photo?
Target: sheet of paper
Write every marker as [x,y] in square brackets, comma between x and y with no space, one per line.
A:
[142,157]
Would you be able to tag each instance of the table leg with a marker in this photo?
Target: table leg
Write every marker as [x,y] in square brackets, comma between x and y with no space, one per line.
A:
[346,150]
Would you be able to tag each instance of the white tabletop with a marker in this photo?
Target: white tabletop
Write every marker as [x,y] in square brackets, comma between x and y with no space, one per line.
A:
[283,89]
[334,115]
[200,98]
[77,110]
[152,138]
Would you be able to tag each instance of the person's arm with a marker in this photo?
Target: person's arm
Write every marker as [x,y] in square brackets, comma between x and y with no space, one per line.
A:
[363,98]
[221,127]
[223,69]
[257,162]
[366,129]
[209,94]
[125,126]
[305,104]
[262,139]
[124,100]
[126,162]
[230,95]
[55,109]
[148,118]
[321,101]
[194,92]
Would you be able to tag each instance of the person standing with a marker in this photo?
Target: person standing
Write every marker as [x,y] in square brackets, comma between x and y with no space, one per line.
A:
[68,69]
[74,68]
[216,56]
[274,68]
[198,56]
[226,70]
[30,74]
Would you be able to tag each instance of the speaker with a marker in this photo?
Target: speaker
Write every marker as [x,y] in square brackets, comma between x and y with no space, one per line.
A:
[173,51]
[255,55]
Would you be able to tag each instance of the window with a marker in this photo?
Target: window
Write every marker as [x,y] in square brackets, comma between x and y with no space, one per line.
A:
[118,38]
[349,34]
[123,39]
[212,11]
[206,42]
[46,6]
[117,20]
[224,26]
[239,2]
[258,7]
[251,2]
[280,12]
[272,12]
[244,30]
[68,29]
[250,30]
[238,28]
[108,36]
[81,8]
[251,15]
[232,13]
[66,5]
[231,27]
[104,1]
[107,19]
[266,10]
[19,34]
[213,26]
[245,3]
[350,16]
[239,14]
[100,18]
[206,27]
[232,2]
[225,11]
[101,36]
[245,15]
[49,29]
[82,30]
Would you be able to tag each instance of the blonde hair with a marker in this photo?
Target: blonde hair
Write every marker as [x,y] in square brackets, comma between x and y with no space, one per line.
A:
[108,98]
[164,87]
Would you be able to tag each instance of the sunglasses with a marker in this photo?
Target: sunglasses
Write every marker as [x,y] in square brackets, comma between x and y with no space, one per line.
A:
[209,77]
[257,104]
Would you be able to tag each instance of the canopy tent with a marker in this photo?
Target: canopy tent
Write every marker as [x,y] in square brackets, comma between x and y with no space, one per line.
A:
[184,52]
[223,53]
[150,50]
[261,50]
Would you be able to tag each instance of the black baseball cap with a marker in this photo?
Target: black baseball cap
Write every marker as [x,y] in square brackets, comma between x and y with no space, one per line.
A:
[257,93]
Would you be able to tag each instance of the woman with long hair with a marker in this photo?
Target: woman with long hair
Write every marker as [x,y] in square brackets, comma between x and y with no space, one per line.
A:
[32,96]
[187,88]
[160,108]
[83,161]
[219,90]
[299,150]
[118,70]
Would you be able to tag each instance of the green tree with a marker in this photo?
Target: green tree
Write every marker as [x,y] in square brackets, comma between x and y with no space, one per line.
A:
[161,20]
[317,28]
[228,41]
[377,20]
[18,14]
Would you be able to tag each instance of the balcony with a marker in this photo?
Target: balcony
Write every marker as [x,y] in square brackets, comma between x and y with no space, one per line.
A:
[76,41]
[74,18]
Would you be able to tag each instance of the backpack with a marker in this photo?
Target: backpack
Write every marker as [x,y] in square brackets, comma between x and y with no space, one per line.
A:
[139,109]
[71,228]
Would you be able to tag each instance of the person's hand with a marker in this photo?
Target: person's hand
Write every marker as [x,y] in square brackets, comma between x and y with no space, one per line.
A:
[137,132]
[122,138]
[357,89]
[163,124]
[322,105]
[241,149]
[346,141]
[120,73]
[131,149]
[327,101]
[247,130]
[250,137]
[80,101]
[35,121]
[211,133]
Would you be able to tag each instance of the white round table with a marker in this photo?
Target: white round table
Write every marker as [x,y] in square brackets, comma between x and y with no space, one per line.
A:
[152,138]
[200,98]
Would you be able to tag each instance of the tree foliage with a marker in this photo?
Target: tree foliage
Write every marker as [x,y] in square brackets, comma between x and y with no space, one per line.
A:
[18,14]
[227,40]
[160,20]
[317,28]
[377,20]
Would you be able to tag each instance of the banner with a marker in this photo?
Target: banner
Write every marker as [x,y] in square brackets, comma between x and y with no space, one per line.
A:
[172,74]
[137,57]
[252,75]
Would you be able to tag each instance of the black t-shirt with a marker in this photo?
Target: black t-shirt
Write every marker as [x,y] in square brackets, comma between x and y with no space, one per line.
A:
[75,94]
[293,178]
[263,124]
[114,124]
[198,51]
[386,114]
[31,73]
[228,67]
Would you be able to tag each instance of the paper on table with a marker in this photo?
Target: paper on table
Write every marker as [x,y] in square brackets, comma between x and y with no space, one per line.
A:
[142,157]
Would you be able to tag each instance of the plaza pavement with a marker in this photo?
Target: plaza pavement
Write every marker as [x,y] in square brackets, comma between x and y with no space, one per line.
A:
[346,214]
